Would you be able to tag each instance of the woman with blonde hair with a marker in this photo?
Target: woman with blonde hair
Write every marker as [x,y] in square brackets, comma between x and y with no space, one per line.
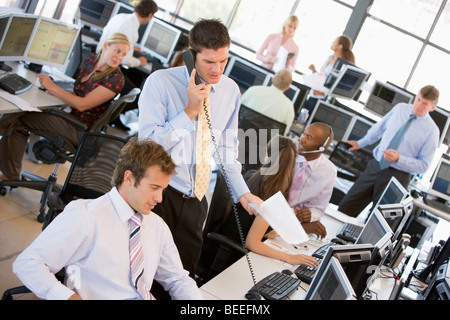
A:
[98,82]
[268,51]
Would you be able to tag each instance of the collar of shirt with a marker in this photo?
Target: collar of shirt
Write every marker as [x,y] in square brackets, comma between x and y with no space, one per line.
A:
[123,209]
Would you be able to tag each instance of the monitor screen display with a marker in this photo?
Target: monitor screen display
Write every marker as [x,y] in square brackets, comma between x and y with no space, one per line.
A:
[160,40]
[246,74]
[384,97]
[333,284]
[348,82]
[52,43]
[17,37]
[3,23]
[374,230]
[440,182]
[442,120]
[337,118]
[96,13]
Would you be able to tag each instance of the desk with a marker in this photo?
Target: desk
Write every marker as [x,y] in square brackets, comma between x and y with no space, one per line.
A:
[35,96]
[234,282]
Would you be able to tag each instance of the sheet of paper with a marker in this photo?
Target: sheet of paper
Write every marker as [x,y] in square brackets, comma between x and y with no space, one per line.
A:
[280,216]
[280,63]
[19,102]
[316,81]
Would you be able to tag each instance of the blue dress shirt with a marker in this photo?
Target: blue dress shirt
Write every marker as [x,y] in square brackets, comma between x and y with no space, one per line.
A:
[162,118]
[418,145]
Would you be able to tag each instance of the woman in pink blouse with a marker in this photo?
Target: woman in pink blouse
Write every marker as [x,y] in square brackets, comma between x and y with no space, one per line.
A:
[267,53]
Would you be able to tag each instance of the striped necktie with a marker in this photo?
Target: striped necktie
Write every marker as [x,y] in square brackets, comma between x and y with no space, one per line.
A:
[137,258]
[395,142]
[202,151]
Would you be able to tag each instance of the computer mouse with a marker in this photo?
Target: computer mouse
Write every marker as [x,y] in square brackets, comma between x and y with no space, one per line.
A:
[287,272]
[338,241]
[252,295]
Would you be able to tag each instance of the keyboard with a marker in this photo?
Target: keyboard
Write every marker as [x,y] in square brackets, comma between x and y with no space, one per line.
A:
[276,286]
[306,273]
[15,84]
[349,232]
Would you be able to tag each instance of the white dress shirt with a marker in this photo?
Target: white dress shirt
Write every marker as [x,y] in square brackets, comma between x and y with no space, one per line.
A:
[316,187]
[128,24]
[91,239]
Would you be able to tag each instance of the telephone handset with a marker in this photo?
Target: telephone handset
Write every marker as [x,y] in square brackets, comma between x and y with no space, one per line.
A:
[189,59]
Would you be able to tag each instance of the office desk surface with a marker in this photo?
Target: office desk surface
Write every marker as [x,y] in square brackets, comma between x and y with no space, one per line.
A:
[34,96]
[234,282]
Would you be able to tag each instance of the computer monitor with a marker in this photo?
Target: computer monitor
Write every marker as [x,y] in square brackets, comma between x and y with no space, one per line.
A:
[397,215]
[394,192]
[17,36]
[376,231]
[96,13]
[333,75]
[355,259]
[440,182]
[442,119]
[339,119]
[384,96]
[245,73]
[333,284]
[52,43]
[160,39]
[348,82]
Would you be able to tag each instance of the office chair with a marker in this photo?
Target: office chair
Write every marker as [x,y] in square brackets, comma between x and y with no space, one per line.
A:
[54,149]
[350,165]
[255,132]
[89,177]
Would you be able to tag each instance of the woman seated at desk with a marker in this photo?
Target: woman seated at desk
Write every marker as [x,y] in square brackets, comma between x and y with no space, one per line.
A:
[264,184]
[99,81]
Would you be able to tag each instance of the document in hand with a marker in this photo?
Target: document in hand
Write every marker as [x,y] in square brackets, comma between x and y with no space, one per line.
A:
[281,218]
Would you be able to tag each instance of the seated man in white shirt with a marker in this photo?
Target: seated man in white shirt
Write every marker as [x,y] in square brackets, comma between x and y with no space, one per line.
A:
[92,240]
[128,24]
[271,101]
[312,186]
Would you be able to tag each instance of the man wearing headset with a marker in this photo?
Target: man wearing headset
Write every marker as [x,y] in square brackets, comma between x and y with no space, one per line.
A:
[314,179]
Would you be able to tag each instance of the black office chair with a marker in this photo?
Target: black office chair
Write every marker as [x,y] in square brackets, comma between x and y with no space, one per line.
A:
[255,132]
[350,165]
[54,149]
[89,177]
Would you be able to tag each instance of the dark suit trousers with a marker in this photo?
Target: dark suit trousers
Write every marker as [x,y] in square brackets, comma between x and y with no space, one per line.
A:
[369,187]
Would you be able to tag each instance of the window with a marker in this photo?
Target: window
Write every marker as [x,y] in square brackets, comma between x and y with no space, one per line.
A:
[321,22]
[192,10]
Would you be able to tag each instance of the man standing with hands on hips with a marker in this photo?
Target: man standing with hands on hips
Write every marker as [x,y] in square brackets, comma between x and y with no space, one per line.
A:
[171,113]
[409,139]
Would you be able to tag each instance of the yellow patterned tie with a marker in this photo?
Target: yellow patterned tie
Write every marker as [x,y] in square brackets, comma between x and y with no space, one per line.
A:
[202,152]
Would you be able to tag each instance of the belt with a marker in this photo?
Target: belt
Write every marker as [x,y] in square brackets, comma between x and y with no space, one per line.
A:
[183,195]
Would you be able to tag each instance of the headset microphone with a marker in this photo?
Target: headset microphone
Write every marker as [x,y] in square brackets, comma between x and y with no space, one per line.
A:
[321,148]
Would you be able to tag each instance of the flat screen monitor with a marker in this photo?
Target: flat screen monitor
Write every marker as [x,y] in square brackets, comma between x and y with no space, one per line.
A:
[337,66]
[96,13]
[358,128]
[442,120]
[333,284]
[440,181]
[246,74]
[52,43]
[384,97]
[376,231]
[348,82]
[394,192]
[354,260]
[17,37]
[3,23]
[160,39]
[339,119]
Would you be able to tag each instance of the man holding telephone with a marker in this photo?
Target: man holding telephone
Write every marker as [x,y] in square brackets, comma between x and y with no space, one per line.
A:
[170,106]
